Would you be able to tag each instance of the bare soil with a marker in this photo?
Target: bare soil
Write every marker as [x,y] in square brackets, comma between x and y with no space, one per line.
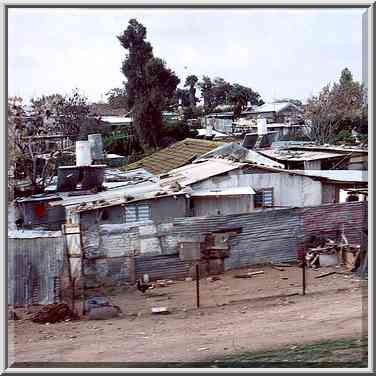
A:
[262,313]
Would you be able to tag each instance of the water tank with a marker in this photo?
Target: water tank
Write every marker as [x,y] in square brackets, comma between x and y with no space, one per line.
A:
[261,126]
[83,153]
[96,146]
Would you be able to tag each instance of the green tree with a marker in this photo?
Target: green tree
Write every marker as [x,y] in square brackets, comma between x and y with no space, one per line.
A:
[68,114]
[150,84]
[191,82]
[338,107]
[220,92]
[117,98]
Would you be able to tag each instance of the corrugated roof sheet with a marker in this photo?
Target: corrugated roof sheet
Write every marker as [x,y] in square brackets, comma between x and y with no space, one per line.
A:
[196,172]
[174,156]
[354,176]
[290,155]
[270,107]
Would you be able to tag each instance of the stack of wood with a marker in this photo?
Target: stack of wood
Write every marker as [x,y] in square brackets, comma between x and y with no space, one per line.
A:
[326,252]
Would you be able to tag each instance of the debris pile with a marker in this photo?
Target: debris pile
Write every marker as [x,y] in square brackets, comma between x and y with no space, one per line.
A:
[326,252]
[100,308]
[53,313]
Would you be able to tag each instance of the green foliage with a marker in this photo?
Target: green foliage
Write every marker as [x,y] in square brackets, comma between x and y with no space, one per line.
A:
[150,85]
[336,108]
[345,136]
[177,130]
[117,98]
[68,112]
[220,92]
[191,82]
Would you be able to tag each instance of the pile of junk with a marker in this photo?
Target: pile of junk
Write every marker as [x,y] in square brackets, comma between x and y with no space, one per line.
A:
[322,251]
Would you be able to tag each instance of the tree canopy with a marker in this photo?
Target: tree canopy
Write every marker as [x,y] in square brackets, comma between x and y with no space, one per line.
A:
[150,84]
[220,92]
[338,107]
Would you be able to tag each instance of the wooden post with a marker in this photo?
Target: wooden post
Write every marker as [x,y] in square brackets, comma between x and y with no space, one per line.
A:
[304,273]
[198,284]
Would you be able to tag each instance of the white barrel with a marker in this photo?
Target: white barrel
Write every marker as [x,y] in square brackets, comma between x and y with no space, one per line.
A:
[83,153]
[261,126]
[96,146]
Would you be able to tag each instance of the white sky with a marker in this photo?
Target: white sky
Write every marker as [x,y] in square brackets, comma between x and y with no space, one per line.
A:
[278,52]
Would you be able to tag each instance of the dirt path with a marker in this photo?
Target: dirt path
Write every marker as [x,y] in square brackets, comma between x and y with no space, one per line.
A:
[190,335]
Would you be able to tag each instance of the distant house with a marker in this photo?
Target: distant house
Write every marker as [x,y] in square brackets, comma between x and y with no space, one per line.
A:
[285,113]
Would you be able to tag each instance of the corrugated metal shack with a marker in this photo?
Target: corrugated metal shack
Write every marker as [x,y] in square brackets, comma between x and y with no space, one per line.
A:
[37,267]
[123,252]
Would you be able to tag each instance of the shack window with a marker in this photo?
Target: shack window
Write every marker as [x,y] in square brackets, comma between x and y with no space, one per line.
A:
[264,198]
[135,213]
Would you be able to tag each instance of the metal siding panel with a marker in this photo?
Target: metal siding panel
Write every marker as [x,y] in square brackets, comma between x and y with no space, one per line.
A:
[34,265]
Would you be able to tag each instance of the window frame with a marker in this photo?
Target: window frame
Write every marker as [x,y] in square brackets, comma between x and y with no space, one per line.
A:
[263,204]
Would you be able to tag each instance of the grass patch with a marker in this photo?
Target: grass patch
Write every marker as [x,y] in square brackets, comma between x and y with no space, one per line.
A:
[347,352]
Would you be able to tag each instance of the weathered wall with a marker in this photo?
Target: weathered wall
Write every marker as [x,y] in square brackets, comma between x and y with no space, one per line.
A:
[312,165]
[288,190]
[36,268]
[162,209]
[266,236]
[52,218]
[329,193]
[327,220]
[222,205]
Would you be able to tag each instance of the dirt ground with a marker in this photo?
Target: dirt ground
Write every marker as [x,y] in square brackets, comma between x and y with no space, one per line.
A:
[262,313]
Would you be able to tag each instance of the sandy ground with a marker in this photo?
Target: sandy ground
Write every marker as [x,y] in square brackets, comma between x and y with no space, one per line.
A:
[236,315]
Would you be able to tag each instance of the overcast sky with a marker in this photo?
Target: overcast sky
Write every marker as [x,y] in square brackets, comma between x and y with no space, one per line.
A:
[279,53]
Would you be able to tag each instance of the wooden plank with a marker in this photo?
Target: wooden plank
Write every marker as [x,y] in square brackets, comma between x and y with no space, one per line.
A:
[325,274]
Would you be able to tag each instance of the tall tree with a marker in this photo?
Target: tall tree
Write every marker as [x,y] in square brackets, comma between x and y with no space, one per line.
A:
[150,84]
[191,82]
[338,107]
[117,98]
[220,92]
[62,114]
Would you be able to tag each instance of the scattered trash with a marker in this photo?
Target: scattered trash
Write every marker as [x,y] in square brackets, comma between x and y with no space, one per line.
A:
[100,308]
[203,349]
[52,313]
[213,279]
[276,267]
[160,310]
[242,276]
[189,279]
[255,273]
[325,274]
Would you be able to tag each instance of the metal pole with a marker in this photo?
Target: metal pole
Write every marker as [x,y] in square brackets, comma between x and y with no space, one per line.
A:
[304,273]
[198,285]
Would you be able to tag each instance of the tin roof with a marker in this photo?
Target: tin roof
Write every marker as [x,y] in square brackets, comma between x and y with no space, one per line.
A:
[353,176]
[301,155]
[196,172]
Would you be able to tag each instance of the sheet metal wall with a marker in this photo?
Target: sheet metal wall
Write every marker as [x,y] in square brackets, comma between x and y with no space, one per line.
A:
[267,236]
[35,268]
[327,220]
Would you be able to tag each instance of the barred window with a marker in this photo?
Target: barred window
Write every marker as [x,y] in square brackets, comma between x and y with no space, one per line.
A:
[136,213]
[264,198]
